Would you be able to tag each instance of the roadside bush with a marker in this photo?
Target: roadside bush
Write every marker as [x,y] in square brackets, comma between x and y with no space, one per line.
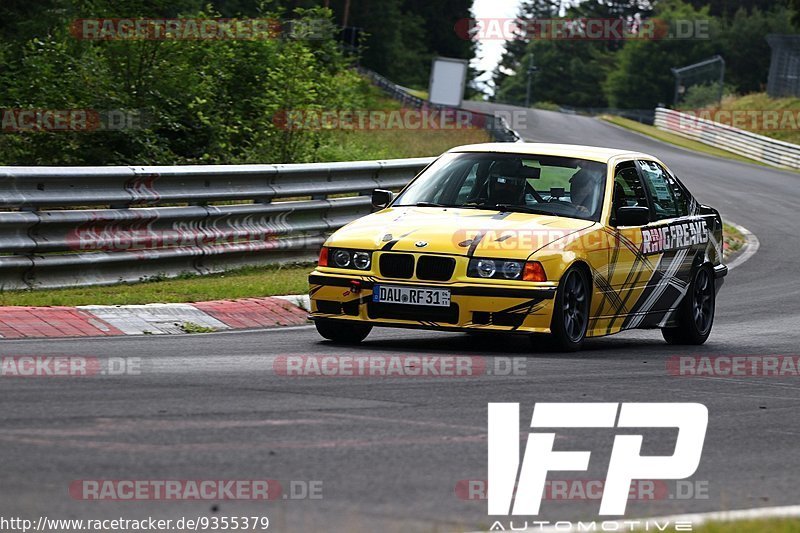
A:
[197,101]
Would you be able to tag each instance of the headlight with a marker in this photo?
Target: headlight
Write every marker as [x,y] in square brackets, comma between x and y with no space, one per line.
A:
[344,258]
[361,260]
[512,269]
[341,258]
[505,269]
[486,268]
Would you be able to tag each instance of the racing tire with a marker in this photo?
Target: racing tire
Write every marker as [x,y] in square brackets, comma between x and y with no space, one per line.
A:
[342,332]
[695,314]
[570,313]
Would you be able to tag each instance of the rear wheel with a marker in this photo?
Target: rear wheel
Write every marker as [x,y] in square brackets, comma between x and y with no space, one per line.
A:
[695,314]
[342,332]
[570,313]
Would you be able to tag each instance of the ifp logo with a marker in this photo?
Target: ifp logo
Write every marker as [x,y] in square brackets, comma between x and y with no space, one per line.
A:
[626,463]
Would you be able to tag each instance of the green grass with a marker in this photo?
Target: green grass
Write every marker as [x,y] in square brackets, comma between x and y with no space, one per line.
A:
[775,525]
[733,238]
[241,283]
[360,145]
[671,138]
[419,93]
[546,106]
[393,144]
[191,327]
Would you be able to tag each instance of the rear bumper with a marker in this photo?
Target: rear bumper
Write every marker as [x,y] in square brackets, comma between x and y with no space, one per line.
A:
[473,306]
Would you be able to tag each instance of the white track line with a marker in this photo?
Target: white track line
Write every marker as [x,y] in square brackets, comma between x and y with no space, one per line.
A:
[649,524]
[155,319]
[751,246]
[303,301]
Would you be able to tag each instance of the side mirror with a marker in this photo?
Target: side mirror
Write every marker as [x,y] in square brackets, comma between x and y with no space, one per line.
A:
[633,215]
[381,198]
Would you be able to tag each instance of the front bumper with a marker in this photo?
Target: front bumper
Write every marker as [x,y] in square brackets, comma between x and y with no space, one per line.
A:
[474,306]
[720,271]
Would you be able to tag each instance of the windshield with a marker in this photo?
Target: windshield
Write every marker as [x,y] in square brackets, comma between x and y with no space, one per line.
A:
[559,186]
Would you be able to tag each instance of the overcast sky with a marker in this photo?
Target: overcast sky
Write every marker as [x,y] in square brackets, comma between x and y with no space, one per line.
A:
[489,52]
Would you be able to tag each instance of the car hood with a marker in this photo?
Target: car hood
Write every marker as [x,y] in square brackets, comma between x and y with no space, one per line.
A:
[486,233]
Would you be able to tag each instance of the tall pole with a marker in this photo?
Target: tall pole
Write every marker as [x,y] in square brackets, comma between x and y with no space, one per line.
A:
[346,13]
[531,71]
[676,73]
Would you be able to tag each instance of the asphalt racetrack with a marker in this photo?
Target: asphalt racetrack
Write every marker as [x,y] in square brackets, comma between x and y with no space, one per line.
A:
[391,452]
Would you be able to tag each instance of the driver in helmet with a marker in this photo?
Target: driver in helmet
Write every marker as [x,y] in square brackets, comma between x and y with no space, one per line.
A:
[584,191]
[506,186]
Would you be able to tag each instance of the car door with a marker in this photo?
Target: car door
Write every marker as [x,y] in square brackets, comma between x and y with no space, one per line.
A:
[628,271]
[671,242]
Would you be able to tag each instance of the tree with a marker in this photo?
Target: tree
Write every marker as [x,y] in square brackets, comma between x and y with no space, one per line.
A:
[609,9]
[624,10]
[743,45]
[570,73]
[642,78]
[725,9]
[201,101]
[400,37]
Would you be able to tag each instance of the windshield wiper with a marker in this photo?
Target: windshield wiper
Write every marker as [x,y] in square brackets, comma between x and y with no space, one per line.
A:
[511,208]
[430,204]
[423,204]
[521,209]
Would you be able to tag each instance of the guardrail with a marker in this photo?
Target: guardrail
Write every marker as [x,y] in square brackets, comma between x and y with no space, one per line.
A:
[748,144]
[497,127]
[78,226]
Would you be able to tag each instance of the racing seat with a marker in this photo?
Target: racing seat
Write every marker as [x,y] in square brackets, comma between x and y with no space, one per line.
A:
[619,200]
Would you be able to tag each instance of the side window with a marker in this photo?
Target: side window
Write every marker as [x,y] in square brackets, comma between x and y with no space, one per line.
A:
[659,185]
[682,197]
[628,190]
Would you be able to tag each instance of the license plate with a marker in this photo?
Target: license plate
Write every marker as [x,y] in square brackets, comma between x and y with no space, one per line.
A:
[392,294]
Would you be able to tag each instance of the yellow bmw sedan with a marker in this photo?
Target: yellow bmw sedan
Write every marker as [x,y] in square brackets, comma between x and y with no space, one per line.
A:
[557,242]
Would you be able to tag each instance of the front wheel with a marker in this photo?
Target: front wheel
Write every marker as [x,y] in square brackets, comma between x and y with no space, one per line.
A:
[570,312]
[342,332]
[695,314]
